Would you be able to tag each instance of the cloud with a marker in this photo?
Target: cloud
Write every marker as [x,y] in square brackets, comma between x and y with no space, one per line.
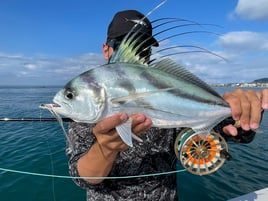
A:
[30,66]
[244,41]
[251,9]
[40,70]
[246,55]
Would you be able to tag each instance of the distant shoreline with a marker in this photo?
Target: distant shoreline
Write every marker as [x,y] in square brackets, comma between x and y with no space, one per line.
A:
[255,84]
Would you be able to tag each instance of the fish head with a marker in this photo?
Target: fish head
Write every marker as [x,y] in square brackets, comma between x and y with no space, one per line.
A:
[80,100]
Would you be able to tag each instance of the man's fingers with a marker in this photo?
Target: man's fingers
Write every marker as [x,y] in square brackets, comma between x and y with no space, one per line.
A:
[230,129]
[265,99]
[240,106]
[140,128]
[235,103]
[255,109]
[110,123]
[137,119]
[246,106]
[140,123]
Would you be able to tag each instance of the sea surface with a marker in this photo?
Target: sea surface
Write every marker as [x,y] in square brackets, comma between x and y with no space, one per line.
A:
[32,152]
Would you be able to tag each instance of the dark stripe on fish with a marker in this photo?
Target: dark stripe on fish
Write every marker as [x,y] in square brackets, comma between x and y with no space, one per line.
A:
[178,91]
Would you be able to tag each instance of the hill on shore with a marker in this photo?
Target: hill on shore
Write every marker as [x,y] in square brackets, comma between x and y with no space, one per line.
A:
[262,80]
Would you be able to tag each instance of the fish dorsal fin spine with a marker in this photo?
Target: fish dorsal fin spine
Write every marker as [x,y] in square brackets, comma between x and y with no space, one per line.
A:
[127,51]
[170,66]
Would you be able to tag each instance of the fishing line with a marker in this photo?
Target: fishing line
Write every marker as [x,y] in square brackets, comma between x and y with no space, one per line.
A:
[51,162]
[32,125]
[70,177]
[52,168]
[5,119]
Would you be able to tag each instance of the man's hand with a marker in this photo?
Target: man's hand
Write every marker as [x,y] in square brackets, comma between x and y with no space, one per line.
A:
[247,107]
[107,135]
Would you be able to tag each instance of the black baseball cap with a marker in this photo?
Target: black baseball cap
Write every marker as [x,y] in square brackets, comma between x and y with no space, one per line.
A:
[124,21]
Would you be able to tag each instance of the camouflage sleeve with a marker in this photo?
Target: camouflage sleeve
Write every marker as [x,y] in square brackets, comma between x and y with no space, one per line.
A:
[153,156]
[81,139]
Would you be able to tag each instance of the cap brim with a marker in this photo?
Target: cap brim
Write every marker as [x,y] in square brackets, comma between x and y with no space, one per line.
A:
[154,42]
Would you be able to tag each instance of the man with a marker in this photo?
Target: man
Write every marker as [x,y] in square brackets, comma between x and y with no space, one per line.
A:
[100,152]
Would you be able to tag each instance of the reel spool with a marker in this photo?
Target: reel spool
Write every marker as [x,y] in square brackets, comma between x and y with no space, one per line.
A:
[201,153]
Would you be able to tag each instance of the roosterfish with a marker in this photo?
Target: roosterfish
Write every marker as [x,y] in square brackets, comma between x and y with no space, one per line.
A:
[166,92]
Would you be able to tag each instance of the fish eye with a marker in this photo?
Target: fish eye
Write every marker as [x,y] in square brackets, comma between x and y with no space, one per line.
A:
[69,95]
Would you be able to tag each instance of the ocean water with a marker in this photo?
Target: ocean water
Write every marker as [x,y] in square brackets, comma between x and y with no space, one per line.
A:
[32,152]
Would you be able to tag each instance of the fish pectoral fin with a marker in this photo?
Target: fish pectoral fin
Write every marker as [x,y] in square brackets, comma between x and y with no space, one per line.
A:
[135,96]
[124,131]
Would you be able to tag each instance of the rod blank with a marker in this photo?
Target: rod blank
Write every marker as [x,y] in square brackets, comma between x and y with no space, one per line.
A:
[35,119]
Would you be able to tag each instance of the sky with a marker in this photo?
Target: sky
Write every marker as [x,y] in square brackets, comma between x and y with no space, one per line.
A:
[48,42]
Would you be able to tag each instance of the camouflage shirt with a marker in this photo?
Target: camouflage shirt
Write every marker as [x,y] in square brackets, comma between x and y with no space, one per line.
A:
[154,155]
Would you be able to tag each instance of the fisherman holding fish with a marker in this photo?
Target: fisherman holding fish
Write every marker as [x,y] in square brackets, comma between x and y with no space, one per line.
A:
[99,151]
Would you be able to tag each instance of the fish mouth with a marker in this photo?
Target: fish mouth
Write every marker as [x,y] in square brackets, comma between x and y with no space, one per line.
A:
[49,106]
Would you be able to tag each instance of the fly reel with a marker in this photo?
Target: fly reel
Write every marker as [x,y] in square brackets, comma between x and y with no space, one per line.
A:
[201,153]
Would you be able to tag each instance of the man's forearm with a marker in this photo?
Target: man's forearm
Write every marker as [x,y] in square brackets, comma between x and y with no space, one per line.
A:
[97,162]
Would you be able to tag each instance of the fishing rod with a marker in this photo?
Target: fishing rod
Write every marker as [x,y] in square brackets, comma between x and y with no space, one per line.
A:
[32,119]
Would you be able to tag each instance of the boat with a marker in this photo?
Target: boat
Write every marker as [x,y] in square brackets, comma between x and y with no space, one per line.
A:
[259,195]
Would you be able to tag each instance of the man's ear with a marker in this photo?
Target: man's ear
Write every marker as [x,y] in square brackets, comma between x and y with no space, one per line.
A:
[107,51]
